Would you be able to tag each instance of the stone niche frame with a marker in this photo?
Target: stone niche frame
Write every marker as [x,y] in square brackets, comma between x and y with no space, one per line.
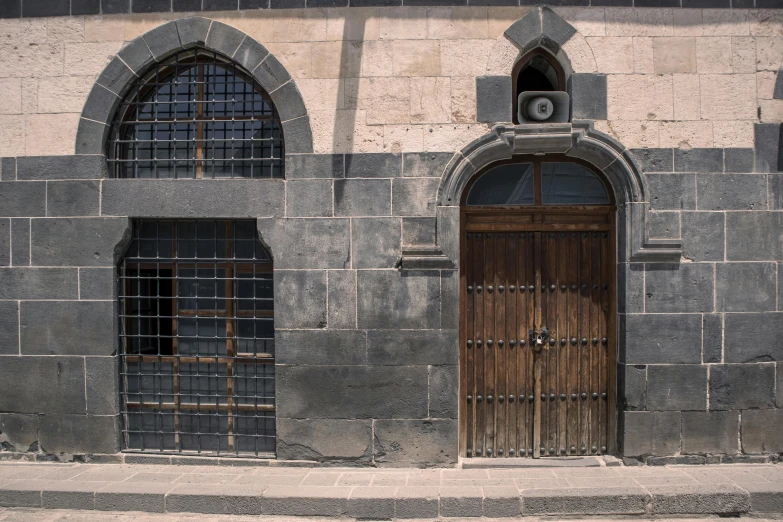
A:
[133,60]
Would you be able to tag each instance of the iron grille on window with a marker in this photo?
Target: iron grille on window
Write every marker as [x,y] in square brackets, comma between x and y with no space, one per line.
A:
[196,115]
[197,336]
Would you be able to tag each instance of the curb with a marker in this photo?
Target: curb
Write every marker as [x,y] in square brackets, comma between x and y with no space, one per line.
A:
[394,502]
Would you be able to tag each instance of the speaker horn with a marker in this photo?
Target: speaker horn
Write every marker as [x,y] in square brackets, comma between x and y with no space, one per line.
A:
[543,107]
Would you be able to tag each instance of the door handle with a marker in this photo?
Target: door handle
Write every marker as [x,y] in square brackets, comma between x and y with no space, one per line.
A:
[538,338]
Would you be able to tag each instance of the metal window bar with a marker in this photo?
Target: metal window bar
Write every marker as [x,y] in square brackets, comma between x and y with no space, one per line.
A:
[197,339]
[197,115]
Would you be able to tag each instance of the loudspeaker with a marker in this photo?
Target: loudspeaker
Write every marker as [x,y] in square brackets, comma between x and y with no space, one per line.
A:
[543,107]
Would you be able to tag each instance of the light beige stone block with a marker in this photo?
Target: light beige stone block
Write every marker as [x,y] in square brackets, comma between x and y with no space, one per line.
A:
[687,22]
[451,137]
[138,24]
[22,30]
[588,21]
[771,111]
[638,22]
[354,23]
[725,22]
[284,25]
[430,100]
[322,124]
[713,55]
[464,57]
[11,96]
[89,59]
[336,59]
[65,29]
[686,134]
[29,95]
[297,58]
[765,84]
[639,97]
[728,96]
[603,126]
[404,23]
[11,135]
[50,134]
[580,54]
[367,138]
[416,58]
[344,131]
[743,54]
[634,134]
[769,53]
[64,93]
[674,55]
[322,94]
[766,22]
[643,61]
[104,28]
[377,58]
[502,58]
[463,99]
[686,97]
[612,54]
[20,60]
[500,18]
[403,138]
[457,22]
[733,133]
[386,100]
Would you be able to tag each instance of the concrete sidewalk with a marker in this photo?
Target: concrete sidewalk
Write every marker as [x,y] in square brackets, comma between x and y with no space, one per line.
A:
[396,493]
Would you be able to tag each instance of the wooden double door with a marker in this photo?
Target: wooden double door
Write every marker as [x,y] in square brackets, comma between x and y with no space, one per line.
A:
[537,333]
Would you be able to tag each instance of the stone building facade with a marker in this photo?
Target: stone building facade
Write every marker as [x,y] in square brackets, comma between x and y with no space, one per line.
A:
[387,114]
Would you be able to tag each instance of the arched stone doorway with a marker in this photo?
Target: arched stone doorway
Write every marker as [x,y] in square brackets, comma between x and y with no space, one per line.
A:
[577,141]
[537,310]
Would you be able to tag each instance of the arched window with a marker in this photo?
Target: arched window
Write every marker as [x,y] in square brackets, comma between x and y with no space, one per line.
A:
[538,182]
[197,339]
[196,115]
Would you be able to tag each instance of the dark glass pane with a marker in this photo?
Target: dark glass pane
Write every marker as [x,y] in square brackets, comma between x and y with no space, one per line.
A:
[197,115]
[571,184]
[504,185]
[197,337]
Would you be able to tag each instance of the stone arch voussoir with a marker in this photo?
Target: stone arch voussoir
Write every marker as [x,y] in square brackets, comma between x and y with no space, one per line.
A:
[153,46]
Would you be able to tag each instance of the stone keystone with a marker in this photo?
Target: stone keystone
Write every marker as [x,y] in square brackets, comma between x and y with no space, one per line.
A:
[540,27]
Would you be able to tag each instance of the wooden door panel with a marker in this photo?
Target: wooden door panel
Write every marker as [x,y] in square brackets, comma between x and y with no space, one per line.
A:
[517,402]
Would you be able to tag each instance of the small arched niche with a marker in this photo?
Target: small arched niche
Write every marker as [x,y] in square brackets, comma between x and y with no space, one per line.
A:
[538,70]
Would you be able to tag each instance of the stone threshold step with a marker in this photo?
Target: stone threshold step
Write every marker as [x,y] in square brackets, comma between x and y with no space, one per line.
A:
[394,502]
[548,462]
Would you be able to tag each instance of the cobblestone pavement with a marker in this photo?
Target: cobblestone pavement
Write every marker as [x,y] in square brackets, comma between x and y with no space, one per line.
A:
[396,493]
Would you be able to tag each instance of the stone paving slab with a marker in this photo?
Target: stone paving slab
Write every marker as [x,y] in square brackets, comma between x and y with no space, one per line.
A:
[378,493]
[58,515]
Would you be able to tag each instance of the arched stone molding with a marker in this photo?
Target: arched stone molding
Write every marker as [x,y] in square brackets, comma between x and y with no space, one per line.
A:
[578,140]
[135,58]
